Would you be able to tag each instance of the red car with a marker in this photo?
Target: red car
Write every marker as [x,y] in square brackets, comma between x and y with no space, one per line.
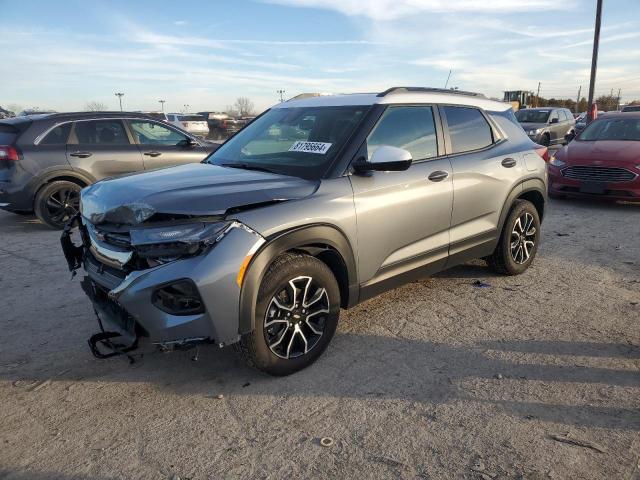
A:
[603,161]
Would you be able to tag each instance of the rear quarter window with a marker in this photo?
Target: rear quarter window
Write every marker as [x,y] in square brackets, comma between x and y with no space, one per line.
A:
[58,136]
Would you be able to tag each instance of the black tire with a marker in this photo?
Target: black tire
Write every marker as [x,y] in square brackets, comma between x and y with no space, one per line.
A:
[57,202]
[255,347]
[545,140]
[509,256]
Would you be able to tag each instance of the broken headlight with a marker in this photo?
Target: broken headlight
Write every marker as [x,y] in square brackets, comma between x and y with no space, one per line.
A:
[171,242]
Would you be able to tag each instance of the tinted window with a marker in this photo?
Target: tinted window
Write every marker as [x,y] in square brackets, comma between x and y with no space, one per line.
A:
[532,116]
[58,136]
[631,108]
[101,132]
[191,118]
[411,128]
[171,118]
[151,133]
[468,129]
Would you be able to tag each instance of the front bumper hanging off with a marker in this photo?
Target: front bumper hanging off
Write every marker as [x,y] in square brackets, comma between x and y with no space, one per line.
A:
[126,302]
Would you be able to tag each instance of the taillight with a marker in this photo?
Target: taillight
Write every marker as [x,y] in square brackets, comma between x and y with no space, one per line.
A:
[224,124]
[7,152]
[543,152]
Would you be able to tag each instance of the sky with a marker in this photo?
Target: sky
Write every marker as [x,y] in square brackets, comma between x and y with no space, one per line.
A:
[202,55]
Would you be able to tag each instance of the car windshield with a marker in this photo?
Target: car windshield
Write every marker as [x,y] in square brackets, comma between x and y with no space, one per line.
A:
[532,116]
[301,141]
[191,118]
[612,129]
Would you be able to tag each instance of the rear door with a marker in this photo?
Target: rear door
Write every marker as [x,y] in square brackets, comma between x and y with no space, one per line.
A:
[403,218]
[556,126]
[103,148]
[163,146]
[484,173]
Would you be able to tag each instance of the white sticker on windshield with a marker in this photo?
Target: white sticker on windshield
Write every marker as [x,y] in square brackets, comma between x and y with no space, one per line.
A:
[310,147]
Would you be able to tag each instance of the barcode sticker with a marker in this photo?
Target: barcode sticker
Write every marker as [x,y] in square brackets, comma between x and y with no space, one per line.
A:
[310,147]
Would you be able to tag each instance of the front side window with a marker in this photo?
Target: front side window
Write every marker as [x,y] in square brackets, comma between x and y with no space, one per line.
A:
[554,115]
[58,136]
[299,141]
[101,132]
[468,129]
[612,129]
[151,133]
[410,128]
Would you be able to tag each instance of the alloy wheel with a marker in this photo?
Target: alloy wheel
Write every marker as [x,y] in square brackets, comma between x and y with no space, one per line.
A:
[62,204]
[523,238]
[296,317]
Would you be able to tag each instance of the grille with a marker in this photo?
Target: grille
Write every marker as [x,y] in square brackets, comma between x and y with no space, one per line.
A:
[598,174]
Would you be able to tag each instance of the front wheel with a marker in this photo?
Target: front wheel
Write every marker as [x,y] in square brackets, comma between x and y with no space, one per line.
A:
[57,202]
[297,313]
[519,240]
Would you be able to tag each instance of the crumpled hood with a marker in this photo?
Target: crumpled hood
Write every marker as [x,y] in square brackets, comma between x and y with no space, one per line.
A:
[193,189]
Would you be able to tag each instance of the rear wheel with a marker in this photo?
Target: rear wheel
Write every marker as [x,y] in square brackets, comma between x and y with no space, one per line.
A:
[545,140]
[519,240]
[57,202]
[297,313]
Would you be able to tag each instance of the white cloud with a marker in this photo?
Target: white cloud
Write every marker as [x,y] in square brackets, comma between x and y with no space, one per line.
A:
[180,23]
[384,10]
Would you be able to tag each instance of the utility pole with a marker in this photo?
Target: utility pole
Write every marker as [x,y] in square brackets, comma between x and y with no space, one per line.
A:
[618,101]
[594,57]
[281,93]
[186,108]
[578,99]
[162,104]
[538,95]
[447,82]
[120,95]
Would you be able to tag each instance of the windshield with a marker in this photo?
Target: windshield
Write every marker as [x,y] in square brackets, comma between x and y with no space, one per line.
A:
[301,141]
[191,118]
[532,116]
[612,129]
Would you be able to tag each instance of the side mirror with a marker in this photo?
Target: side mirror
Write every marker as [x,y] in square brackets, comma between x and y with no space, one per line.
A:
[570,136]
[187,143]
[554,120]
[386,159]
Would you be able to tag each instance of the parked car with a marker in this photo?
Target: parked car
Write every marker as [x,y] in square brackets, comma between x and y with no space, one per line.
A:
[6,113]
[631,108]
[163,117]
[222,125]
[582,121]
[194,124]
[603,161]
[546,126]
[318,204]
[27,113]
[45,160]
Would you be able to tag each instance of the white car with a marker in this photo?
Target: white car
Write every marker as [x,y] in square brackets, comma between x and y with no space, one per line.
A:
[194,124]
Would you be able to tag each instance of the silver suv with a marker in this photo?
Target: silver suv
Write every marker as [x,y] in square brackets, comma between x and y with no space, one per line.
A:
[317,205]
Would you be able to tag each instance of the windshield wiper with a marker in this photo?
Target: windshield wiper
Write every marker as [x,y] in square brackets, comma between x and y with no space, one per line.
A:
[248,166]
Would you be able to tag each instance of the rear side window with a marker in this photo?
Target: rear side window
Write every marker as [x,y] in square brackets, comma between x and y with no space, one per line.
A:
[171,118]
[411,128]
[58,136]
[101,132]
[191,118]
[468,129]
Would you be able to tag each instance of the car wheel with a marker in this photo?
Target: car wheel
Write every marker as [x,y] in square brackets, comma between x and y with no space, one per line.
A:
[297,313]
[57,202]
[545,140]
[519,240]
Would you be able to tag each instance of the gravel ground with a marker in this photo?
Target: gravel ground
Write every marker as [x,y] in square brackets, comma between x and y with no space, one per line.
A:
[437,379]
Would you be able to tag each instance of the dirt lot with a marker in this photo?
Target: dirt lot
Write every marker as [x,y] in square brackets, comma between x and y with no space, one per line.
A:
[438,379]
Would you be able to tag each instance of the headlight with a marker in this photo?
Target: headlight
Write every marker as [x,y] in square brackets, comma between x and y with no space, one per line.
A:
[532,132]
[556,162]
[177,240]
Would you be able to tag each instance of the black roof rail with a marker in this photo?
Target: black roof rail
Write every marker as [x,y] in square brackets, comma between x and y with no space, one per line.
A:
[429,90]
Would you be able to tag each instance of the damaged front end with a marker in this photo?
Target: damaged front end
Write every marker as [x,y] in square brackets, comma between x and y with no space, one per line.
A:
[172,280]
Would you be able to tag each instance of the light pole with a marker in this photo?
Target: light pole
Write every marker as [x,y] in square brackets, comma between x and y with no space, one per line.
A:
[186,108]
[120,95]
[281,92]
[594,59]
[162,104]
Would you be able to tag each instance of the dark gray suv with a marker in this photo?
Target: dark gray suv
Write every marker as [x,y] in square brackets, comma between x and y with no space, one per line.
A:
[45,160]
[547,126]
[316,205]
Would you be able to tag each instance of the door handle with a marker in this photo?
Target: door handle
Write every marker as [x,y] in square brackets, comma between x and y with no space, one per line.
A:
[152,154]
[508,163]
[80,154]
[438,176]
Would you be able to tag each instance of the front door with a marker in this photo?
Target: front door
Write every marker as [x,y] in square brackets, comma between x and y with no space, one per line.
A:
[403,218]
[102,148]
[162,146]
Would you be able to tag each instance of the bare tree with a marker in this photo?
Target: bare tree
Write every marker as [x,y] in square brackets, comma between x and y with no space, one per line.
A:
[15,108]
[244,106]
[95,107]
